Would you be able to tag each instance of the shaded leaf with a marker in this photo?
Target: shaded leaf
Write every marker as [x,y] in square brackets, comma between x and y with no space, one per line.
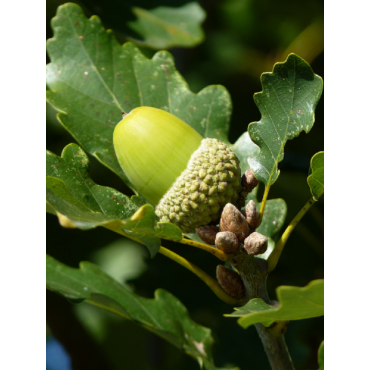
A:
[165,27]
[160,27]
[294,304]
[244,147]
[72,193]
[92,79]
[321,356]
[316,179]
[287,103]
[164,315]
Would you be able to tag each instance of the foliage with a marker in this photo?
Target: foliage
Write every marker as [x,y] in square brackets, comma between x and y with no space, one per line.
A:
[294,304]
[73,194]
[321,356]
[92,79]
[287,104]
[316,179]
[163,315]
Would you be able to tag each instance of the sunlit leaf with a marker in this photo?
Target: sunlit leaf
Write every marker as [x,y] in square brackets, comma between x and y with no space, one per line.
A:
[73,194]
[294,304]
[287,104]
[316,178]
[92,80]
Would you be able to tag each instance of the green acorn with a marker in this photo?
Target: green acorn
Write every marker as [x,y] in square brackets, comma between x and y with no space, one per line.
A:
[167,162]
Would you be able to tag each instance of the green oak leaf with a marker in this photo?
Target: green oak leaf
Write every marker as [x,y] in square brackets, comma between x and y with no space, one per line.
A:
[294,304]
[160,27]
[92,80]
[321,356]
[287,103]
[165,27]
[244,148]
[164,315]
[316,179]
[71,193]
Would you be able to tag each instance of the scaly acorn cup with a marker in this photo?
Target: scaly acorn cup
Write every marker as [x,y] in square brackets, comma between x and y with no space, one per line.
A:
[167,161]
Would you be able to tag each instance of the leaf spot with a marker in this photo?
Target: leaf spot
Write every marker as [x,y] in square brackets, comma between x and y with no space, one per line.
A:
[80,37]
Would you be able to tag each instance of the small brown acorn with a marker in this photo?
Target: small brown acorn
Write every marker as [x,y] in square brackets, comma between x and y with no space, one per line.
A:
[227,242]
[249,181]
[256,243]
[232,220]
[251,214]
[230,281]
[208,234]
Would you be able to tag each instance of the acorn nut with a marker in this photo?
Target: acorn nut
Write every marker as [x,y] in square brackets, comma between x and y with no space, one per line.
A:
[227,242]
[232,220]
[255,244]
[167,161]
[230,281]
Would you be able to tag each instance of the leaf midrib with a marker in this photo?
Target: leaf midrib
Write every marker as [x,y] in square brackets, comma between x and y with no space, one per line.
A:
[94,67]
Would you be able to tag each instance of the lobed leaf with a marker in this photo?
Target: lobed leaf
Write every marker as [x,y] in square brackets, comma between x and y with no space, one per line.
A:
[73,194]
[316,179]
[165,27]
[92,80]
[164,315]
[287,103]
[294,304]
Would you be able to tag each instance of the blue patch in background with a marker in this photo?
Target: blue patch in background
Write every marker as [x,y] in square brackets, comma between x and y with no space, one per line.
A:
[57,357]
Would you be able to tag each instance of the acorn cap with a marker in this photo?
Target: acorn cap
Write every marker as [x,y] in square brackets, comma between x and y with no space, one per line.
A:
[210,181]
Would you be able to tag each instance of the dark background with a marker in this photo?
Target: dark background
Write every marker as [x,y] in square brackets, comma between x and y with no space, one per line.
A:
[243,39]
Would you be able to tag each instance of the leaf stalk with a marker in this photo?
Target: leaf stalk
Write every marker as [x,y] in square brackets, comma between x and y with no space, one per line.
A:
[275,254]
[263,204]
[212,283]
[216,252]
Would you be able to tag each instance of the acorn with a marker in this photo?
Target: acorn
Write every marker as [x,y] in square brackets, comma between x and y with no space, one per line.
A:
[189,178]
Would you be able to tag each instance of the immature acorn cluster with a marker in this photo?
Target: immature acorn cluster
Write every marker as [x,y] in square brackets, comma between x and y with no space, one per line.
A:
[236,232]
